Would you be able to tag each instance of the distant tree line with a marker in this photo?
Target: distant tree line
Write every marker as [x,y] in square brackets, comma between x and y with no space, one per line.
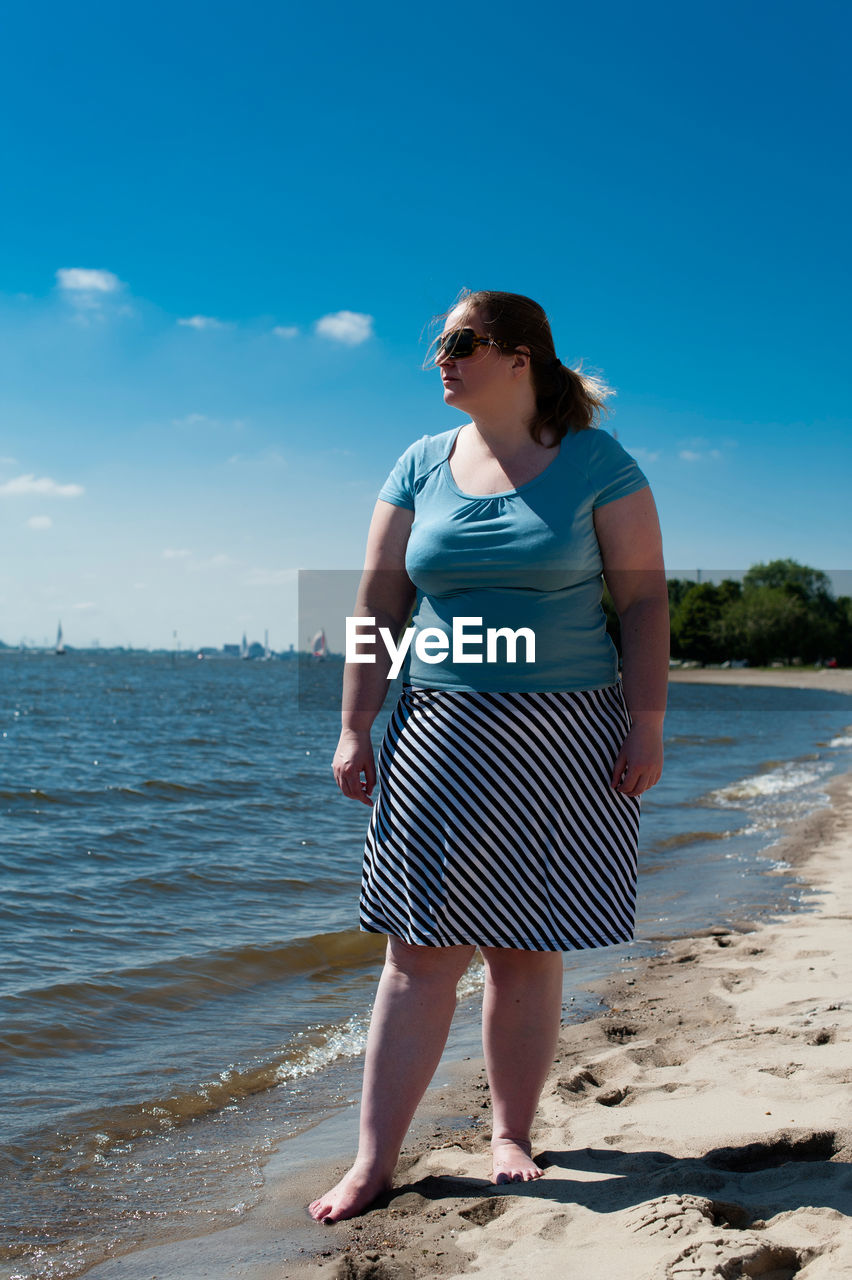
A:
[780,612]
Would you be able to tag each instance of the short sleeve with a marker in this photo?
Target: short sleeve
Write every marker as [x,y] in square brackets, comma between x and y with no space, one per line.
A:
[399,486]
[612,472]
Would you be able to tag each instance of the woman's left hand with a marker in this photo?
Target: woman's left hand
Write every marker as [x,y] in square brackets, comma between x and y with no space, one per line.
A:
[640,760]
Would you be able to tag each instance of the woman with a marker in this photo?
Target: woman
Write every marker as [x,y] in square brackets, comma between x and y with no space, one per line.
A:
[507,815]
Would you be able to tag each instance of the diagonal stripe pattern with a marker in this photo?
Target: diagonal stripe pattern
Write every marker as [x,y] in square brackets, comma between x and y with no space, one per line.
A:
[496,824]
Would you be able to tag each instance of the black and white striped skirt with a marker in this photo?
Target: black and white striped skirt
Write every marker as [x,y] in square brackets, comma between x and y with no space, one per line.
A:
[496,823]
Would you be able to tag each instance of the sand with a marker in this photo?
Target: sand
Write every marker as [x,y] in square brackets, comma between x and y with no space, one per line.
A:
[698,1129]
[832,680]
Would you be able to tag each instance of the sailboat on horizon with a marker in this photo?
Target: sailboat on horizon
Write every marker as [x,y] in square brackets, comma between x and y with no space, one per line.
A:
[59,649]
[319,646]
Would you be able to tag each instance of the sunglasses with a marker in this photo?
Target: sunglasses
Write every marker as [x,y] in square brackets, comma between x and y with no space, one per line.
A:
[462,343]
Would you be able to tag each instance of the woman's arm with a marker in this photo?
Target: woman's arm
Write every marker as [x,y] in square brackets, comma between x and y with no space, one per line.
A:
[385,593]
[628,531]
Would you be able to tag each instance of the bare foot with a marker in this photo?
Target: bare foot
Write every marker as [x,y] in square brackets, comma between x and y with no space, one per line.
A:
[355,1190]
[512,1161]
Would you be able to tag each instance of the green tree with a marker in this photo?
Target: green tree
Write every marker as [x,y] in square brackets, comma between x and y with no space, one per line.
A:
[790,576]
[695,622]
[789,611]
[767,624]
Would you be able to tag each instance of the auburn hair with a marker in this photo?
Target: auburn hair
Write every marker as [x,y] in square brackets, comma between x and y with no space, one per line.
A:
[565,398]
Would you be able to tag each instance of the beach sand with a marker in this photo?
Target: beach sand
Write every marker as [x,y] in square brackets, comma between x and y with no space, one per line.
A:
[698,1129]
[831,680]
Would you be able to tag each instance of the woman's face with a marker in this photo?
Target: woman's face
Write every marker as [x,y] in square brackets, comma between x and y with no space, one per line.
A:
[476,381]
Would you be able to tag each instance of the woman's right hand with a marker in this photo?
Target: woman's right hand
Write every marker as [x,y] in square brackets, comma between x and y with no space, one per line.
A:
[354,757]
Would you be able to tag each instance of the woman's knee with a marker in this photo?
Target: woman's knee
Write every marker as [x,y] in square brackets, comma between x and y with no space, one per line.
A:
[514,968]
[428,963]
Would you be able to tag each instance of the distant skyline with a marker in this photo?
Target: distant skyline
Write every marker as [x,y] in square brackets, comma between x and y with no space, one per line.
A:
[226,233]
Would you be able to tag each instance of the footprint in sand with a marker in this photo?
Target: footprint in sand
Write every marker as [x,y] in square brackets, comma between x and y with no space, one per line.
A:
[485,1211]
[672,1216]
[724,1260]
[579,1082]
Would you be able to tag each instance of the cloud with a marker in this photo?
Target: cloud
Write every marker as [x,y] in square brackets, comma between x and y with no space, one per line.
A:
[349,327]
[78,281]
[171,554]
[286,331]
[91,293]
[86,606]
[40,522]
[693,455]
[8,462]
[644,455]
[191,420]
[45,488]
[202,322]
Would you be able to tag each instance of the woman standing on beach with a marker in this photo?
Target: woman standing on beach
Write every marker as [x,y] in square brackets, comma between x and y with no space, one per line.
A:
[508,811]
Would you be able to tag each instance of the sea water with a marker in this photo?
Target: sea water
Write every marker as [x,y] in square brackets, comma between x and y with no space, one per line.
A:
[183,981]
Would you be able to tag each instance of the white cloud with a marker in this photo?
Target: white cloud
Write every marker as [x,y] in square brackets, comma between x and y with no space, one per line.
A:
[644,455]
[91,293]
[82,280]
[271,577]
[201,322]
[191,420]
[286,331]
[8,462]
[86,606]
[171,554]
[40,522]
[692,455]
[349,327]
[45,487]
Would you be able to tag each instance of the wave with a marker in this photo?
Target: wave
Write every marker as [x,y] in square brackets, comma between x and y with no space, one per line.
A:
[162,788]
[89,1134]
[699,740]
[778,780]
[71,1016]
[35,796]
[689,837]
[156,788]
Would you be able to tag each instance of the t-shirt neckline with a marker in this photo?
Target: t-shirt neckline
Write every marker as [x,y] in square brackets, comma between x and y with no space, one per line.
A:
[505,493]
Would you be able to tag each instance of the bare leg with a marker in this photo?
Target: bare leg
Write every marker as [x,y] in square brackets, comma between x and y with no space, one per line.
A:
[521,1014]
[414,1007]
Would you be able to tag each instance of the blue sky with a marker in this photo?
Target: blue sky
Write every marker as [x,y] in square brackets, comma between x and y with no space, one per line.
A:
[227,228]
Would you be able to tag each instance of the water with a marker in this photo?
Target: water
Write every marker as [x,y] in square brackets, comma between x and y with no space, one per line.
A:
[183,981]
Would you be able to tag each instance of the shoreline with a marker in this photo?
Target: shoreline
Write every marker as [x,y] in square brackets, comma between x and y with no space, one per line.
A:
[829,680]
[693,1122]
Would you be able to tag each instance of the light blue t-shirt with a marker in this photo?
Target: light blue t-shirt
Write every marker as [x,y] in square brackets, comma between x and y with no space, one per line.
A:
[527,558]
